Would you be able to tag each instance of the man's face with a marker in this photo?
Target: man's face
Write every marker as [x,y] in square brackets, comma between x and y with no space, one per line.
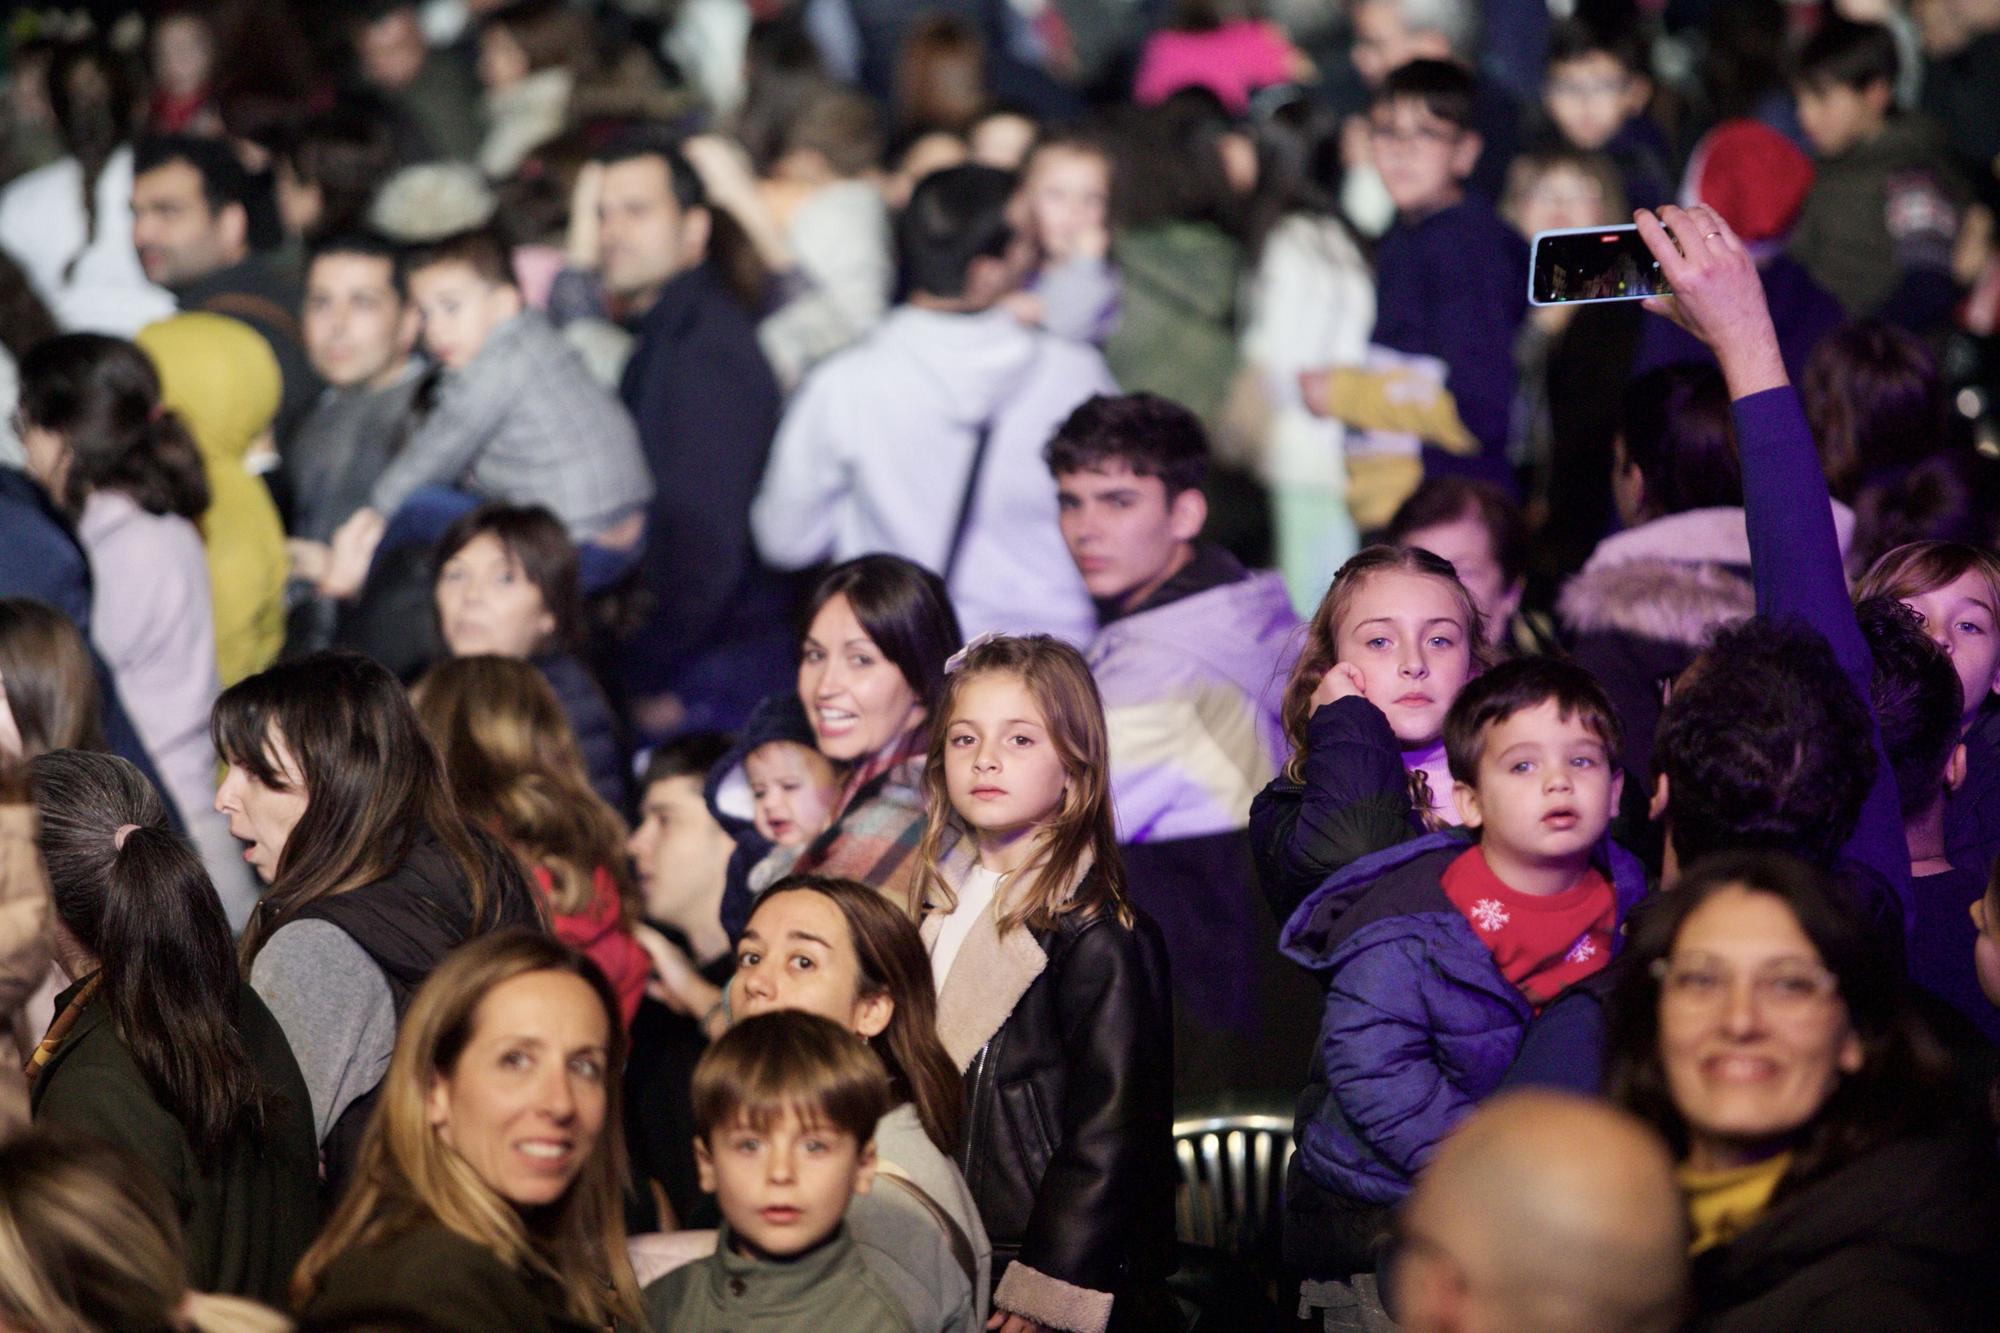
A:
[178,237]
[644,236]
[1126,536]
[358,330]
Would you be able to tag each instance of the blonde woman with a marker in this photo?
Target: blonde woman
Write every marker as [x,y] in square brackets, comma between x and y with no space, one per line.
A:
[88,1241]
[487,1191]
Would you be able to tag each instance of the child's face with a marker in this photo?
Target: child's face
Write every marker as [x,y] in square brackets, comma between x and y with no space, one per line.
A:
[1590,99]
[1407,635]
[1126,536]
[1546,788]
[1422,158]
[1961,618]
[183,56]
[1836,117]
[460,310]
[794,789]
[1562,197]
[1000,762]
[783,1191]
[1068,195]
[486,603]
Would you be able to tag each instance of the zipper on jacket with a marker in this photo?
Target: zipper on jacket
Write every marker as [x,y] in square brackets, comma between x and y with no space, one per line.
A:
[974,1120]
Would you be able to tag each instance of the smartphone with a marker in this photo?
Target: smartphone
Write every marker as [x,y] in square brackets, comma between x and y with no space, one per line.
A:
[1579,264]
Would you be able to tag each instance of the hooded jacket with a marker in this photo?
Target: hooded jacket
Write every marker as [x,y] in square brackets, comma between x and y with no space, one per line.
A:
[1420,1024]
[1901,1238]
[875,450]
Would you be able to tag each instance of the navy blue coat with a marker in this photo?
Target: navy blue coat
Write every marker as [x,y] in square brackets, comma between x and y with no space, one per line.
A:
[1420,1024]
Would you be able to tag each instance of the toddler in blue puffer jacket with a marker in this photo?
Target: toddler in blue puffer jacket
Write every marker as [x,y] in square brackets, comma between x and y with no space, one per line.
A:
[1436,953]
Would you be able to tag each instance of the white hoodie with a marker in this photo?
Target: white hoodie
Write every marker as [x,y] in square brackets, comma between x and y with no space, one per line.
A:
[873,456]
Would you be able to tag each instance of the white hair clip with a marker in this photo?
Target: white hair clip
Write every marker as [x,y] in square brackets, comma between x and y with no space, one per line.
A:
[957,659]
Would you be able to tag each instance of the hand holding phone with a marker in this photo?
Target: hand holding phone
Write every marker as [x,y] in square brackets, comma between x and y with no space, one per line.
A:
[1718,295]
[1574,265]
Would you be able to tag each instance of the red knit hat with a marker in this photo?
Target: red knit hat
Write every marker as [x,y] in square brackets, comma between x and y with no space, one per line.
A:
[1752,175]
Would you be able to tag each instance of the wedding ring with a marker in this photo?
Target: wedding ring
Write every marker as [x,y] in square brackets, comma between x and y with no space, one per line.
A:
[1710,235]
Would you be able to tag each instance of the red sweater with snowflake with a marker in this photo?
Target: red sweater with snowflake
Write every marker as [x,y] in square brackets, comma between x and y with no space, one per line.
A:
[1541,942]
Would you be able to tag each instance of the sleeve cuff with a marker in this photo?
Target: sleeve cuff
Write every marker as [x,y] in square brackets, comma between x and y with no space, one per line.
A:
[1051,1302]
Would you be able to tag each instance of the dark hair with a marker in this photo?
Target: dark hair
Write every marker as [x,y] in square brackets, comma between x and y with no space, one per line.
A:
[348,155]
[1299,168]
[940,73]
[790,1060]
[1765,744]
[843,128]
[1917,698]
[1902,1085]
[550,33]
[893,961]
[47,679]
[373,781]
[1677,432]
[1151,435]
[359,244]
[481,249]
[687,756]
[954,217]
[149,915]
[1743,58]
[782,73]
[1493,696]
[1875,400]
[1448,499]
[1445,88]
[1167,163]
[906,611]
[1843,53]
[102,396]
[536,540]
[223,180]
[91,94]
[645,141]
[24,321]
[1577,38]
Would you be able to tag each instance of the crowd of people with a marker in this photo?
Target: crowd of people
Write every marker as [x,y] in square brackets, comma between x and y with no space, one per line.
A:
[696,666]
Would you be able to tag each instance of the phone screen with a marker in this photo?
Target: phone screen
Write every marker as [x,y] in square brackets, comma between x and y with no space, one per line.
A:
[1597,264]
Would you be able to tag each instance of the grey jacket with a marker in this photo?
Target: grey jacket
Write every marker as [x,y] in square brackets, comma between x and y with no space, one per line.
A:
[900,1238]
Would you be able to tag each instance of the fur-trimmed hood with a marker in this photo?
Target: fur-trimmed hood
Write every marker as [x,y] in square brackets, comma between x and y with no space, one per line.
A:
[1675,579]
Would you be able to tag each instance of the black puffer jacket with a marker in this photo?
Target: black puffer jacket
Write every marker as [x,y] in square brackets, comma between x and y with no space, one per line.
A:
[1904,1238]
[1068,1146]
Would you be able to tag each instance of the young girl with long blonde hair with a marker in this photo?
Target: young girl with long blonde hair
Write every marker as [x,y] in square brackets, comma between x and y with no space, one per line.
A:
[1052,992]
[1394,640]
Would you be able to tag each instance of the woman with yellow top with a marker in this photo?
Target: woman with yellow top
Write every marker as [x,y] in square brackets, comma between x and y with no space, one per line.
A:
[220,377]
[1833,1179]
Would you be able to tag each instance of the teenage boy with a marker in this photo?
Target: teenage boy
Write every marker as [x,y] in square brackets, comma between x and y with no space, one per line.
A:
[785,1106]
[518,419]
[921,439]
[1881,218]
[1451,285]
[1916,696]
[1436,955]
[1595,95]
[1190,656]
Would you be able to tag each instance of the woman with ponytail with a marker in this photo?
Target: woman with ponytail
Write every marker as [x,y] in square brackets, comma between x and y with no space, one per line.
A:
[125,469]
[158,1045]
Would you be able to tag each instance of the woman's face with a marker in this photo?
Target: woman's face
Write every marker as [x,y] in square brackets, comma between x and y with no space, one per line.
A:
[525,1103]
[854,696]
[1753,1033]
[797,953]
[486,602]
[1961,618]
[1407,634]
[262,816]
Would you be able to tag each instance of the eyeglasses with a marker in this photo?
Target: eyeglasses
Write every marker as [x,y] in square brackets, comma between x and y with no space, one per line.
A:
[1698,984]
[1426,135]
[1588,87]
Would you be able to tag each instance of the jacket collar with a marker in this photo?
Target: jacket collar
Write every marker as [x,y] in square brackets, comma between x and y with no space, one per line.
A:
[1210,566]
[749,1288]
[992,971]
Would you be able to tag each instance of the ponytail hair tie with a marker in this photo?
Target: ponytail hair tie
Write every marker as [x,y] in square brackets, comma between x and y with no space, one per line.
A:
[118,839]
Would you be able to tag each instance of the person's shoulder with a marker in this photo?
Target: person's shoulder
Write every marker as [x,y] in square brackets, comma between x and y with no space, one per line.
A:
[672,1298]
[428,1276]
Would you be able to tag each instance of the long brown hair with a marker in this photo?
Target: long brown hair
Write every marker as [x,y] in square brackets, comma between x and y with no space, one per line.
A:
[1081,833]
[46,679]
[892,962]
[406,1175]
[373,782]
[1322,642]
[514,764]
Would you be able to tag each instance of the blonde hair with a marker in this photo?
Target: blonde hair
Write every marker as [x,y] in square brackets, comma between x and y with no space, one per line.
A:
[1081,833]
[405,1174]
[89,1241]
[1322,643]
[514,765]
